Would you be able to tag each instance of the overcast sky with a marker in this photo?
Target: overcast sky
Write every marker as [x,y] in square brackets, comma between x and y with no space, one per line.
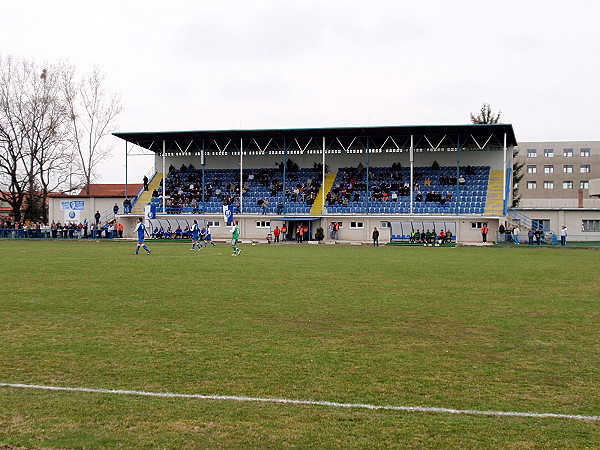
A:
[199,65]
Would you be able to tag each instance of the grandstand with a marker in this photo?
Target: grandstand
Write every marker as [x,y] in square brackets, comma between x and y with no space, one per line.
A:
[359,178]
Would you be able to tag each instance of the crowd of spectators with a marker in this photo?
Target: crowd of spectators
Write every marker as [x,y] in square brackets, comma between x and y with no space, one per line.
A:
[391,185]
[184,186]
[57,230]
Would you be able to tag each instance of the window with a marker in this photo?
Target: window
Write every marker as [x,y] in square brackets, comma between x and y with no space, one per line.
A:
[585,152]
[213,223]
[585,168]
[544,223]
[568,152]
[356,225]
[590,225]
[532,153]
[263,224]
[384,225]
[532,168]
[548,184]
[549,152]
[531,185]
[549,169]
[567,185]
[584,184]
[478,225]
[567,168]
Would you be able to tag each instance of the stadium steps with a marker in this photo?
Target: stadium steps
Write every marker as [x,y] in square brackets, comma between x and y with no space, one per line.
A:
[146,196]
[494,204]
[317,207]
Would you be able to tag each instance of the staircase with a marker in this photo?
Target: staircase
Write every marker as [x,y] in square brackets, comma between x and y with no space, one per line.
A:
[146,196]
[317,207]
[517,217]
[494,205]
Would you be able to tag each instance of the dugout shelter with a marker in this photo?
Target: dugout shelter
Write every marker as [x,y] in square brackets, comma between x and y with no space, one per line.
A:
[457,174]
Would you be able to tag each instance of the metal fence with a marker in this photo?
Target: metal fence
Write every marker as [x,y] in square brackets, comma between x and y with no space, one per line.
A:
[547,239]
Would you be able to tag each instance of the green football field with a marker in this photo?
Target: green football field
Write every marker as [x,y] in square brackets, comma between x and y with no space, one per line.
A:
[471,333]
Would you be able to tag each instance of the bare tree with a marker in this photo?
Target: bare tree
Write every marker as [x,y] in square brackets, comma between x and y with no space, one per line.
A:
[31,122]
[92,114]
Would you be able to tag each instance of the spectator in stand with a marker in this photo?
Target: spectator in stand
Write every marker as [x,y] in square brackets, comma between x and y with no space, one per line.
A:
[435,165]
[146,182]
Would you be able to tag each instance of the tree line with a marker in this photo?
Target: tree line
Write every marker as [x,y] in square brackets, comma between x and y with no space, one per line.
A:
[52,125]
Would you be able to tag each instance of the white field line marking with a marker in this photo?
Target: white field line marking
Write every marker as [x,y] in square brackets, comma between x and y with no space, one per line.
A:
[307,402]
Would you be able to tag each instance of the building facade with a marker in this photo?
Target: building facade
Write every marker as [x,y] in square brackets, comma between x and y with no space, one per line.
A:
[557,188]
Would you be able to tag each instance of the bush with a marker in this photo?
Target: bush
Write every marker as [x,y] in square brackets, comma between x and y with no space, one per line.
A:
[319,234]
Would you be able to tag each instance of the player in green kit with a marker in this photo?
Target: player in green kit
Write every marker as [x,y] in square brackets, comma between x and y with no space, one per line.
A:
[235,236]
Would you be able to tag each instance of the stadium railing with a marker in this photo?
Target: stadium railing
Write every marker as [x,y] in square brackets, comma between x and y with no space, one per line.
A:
[10,233]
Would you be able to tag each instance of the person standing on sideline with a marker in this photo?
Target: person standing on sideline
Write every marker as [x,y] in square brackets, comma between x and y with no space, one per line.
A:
[563,236]
[195,231]
[235,236]
[484,232]
[284,232]
[516,232]
[97,217]
[375,237]
[276,233]
[140,229]
[145,183]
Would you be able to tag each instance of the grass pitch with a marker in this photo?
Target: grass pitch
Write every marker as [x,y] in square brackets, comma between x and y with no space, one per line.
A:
[503,329]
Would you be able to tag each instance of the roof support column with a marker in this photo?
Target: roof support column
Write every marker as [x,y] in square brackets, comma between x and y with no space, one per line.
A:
[284,175]
[457,188]
[504,169]
[164,178]
[323,180]
[367,172]
[241,173]
[412,160]
[203,163]
[126,185]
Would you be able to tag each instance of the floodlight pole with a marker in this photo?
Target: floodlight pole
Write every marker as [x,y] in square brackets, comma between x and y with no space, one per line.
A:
[412,158]
[164,179]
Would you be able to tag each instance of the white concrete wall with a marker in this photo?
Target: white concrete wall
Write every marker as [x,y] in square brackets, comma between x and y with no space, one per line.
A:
[250,231]
[91,205]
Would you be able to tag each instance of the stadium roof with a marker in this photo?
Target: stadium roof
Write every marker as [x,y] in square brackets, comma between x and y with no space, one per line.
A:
[354,139]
